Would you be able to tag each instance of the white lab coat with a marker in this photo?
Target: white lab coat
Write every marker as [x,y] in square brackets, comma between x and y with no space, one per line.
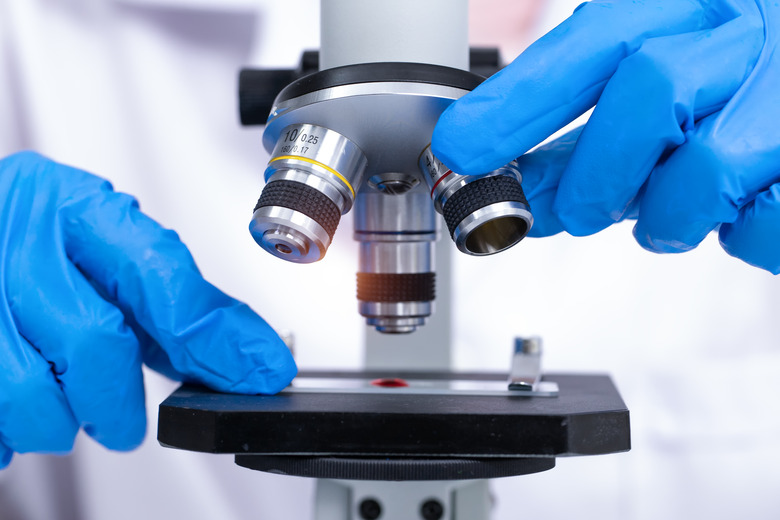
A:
[143,92]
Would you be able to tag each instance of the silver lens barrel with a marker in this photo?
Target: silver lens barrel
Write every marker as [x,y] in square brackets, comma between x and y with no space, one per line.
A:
[485,214]
[396,279]
[311,180]
[396,285]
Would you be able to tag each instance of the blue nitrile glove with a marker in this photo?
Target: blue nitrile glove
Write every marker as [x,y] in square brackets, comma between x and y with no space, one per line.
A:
[685,135]
[90,288]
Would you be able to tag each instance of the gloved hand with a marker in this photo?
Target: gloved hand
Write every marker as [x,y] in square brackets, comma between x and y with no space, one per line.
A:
[90,288]
[685,135]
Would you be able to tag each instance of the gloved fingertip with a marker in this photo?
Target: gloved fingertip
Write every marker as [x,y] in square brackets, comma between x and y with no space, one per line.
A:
[581,215]
[753,237]
[464,137]
[655,244]
[541,172]
[279,378]
[579,220]
[155,358]
[126,436]
[271,376]
[545,225]
[456,152]
[234,350]
[756,258]
[6,454]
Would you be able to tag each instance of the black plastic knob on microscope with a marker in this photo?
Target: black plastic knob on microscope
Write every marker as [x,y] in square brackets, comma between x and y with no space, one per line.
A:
[370,509]
[257,90]
[432,510]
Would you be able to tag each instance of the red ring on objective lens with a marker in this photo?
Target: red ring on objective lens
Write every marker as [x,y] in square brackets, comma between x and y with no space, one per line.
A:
[440,179]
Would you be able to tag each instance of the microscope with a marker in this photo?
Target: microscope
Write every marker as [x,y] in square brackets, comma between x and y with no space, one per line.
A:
[350,130]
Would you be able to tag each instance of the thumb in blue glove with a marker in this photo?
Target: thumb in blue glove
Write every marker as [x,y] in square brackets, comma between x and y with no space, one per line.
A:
[90,288]
[684,135]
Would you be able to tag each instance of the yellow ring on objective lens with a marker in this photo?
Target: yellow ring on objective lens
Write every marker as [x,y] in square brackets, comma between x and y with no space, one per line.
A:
[316,163]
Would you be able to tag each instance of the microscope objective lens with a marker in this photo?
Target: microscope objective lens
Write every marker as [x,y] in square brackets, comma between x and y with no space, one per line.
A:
[310,182]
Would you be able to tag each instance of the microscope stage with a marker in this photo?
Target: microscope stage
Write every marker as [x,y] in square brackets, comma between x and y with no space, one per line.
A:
[397,436]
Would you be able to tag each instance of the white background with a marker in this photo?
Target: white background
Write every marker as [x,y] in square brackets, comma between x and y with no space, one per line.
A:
[143,93]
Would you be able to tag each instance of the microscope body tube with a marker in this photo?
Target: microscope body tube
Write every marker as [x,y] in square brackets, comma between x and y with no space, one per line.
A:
[396,230]
[351,135]
[369,31]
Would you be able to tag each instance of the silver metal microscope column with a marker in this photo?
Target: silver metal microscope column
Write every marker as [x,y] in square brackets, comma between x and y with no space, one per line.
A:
[417,31]
[365,31]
